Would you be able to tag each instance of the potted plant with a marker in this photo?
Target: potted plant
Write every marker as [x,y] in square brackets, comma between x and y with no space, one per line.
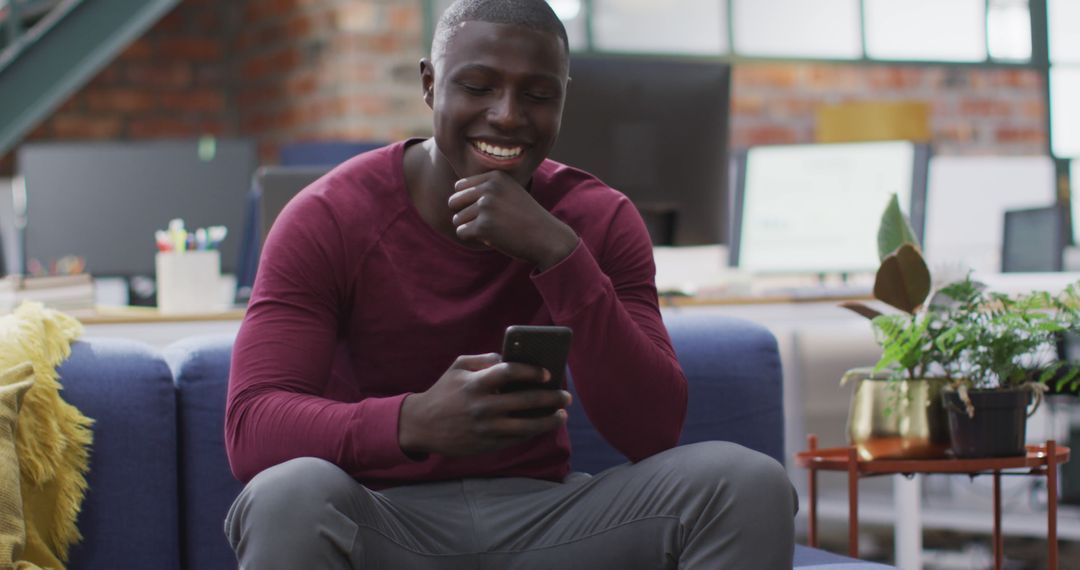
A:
[999,355]
[982,356]
[896,411]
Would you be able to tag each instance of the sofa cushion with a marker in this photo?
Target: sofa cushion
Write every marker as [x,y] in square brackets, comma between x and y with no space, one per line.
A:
[734,388]
[200,366]
[807,558]
[130,516]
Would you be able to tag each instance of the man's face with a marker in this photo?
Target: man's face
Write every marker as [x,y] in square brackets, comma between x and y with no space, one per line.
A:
[497,93]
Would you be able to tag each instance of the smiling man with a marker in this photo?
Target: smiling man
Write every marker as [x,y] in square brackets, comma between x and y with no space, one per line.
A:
[365,409]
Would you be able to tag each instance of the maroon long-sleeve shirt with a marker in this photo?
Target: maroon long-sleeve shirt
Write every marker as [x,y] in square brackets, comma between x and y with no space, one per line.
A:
[359,302]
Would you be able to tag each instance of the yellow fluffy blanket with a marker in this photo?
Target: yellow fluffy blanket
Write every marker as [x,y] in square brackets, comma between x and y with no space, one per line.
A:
[53,438]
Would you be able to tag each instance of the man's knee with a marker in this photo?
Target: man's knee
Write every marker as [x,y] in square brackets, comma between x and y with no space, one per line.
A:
[293,515]
[710,463]
[296,488]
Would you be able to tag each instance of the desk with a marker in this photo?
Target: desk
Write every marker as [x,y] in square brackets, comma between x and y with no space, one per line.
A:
[771,299]
[148,325]
[120,315]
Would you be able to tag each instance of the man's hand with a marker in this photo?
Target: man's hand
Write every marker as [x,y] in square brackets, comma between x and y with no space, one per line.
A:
[463,413]
[493,209]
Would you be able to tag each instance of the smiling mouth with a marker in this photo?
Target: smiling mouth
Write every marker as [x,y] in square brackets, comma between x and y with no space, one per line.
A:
[497,152]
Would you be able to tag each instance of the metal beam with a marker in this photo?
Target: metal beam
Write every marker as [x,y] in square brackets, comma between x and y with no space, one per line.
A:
[61,53]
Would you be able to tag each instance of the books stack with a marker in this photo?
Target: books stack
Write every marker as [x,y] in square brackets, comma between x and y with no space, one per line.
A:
[73,294]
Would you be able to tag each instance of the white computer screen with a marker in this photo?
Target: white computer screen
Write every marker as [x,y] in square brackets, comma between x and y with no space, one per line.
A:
[1074,193]
[816,208]
[966,201]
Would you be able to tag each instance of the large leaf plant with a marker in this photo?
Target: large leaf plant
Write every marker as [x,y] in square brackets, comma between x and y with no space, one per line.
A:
[973,338]
[903,282]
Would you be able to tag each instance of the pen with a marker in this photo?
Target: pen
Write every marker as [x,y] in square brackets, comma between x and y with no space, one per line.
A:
[217,235]
[178,234]
[161,238]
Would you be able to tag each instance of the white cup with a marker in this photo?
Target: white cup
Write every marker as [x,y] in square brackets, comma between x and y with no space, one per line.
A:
[189,282]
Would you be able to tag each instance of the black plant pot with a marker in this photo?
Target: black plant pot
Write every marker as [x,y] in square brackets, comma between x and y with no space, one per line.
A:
[998,428]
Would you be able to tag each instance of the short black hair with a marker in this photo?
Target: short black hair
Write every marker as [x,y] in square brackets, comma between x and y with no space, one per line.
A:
[533,14]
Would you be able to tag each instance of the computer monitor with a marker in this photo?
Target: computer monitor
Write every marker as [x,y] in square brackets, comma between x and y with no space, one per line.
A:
[816,208]
[1074,198]
[271,188]
[966,201]
[1034,240]
[104,200]
[655,129]
[9,249]
[323,153]
[279,184]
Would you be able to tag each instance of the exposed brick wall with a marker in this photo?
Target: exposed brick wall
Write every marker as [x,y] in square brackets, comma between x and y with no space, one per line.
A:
[292,70]
[172,82]
[330,70]
[973,110]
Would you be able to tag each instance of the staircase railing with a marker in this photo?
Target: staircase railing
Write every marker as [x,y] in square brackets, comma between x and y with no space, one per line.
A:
[53,47]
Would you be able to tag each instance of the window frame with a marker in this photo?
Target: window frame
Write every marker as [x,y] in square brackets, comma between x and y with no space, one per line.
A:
[1039,61]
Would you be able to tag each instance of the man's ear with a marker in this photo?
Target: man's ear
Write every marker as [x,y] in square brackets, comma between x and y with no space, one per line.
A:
[427,81]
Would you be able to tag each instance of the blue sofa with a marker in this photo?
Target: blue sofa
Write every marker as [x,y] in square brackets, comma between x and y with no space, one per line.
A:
[159,483]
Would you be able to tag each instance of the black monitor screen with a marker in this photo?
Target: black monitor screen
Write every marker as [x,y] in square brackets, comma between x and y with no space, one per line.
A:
[103,201]
[1034,240]
[8,244]
[655,129]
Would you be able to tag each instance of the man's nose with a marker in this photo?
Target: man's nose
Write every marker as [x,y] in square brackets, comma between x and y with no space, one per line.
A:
[507,113]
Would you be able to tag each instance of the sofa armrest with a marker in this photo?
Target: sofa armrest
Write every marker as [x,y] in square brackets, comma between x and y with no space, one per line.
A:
[130,516]
[734,382]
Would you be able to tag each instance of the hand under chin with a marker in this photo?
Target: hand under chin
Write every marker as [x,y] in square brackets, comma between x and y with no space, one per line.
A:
[475,244]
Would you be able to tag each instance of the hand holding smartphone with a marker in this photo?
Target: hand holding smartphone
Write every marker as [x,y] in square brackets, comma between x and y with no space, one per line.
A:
[544,346]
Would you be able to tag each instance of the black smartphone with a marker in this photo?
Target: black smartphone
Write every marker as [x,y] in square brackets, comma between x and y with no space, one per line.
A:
[543,346]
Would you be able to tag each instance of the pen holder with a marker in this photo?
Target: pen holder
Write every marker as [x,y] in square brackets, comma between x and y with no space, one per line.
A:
[189,282]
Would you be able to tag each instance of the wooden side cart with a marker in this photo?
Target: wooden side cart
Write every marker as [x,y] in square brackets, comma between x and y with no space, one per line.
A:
[1039,460]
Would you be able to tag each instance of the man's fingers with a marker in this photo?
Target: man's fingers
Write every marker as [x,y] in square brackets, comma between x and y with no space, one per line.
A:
[496,377]
[474,180]
[523,428]
[466,215]
[525,400]
[466,232]
[459,200]
[477,362]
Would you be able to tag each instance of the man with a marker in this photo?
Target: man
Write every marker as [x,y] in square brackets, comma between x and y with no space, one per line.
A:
[363,410]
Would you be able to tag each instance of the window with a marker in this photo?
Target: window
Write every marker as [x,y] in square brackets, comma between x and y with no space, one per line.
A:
[926,30]
[796,28]
[697,27]
[968,31]
[1064,18]
[1074,198]
[1065,110]
[571,12]
[1064,40]
[1009,27]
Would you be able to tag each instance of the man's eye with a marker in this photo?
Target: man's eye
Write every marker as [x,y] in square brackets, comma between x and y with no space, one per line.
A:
[540,96]
[475,89]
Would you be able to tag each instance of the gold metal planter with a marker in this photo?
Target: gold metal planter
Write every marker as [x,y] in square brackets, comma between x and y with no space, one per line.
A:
[897,419]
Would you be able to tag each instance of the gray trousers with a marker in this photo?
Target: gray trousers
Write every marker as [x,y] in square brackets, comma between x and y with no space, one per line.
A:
[701,506]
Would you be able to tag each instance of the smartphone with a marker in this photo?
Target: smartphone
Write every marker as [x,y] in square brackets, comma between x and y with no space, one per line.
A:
[543,346]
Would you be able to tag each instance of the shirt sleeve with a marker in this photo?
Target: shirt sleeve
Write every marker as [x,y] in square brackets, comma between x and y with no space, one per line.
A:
[624,368]
[283,355]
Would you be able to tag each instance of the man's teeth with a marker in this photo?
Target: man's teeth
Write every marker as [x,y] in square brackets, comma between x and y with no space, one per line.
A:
[498,150]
